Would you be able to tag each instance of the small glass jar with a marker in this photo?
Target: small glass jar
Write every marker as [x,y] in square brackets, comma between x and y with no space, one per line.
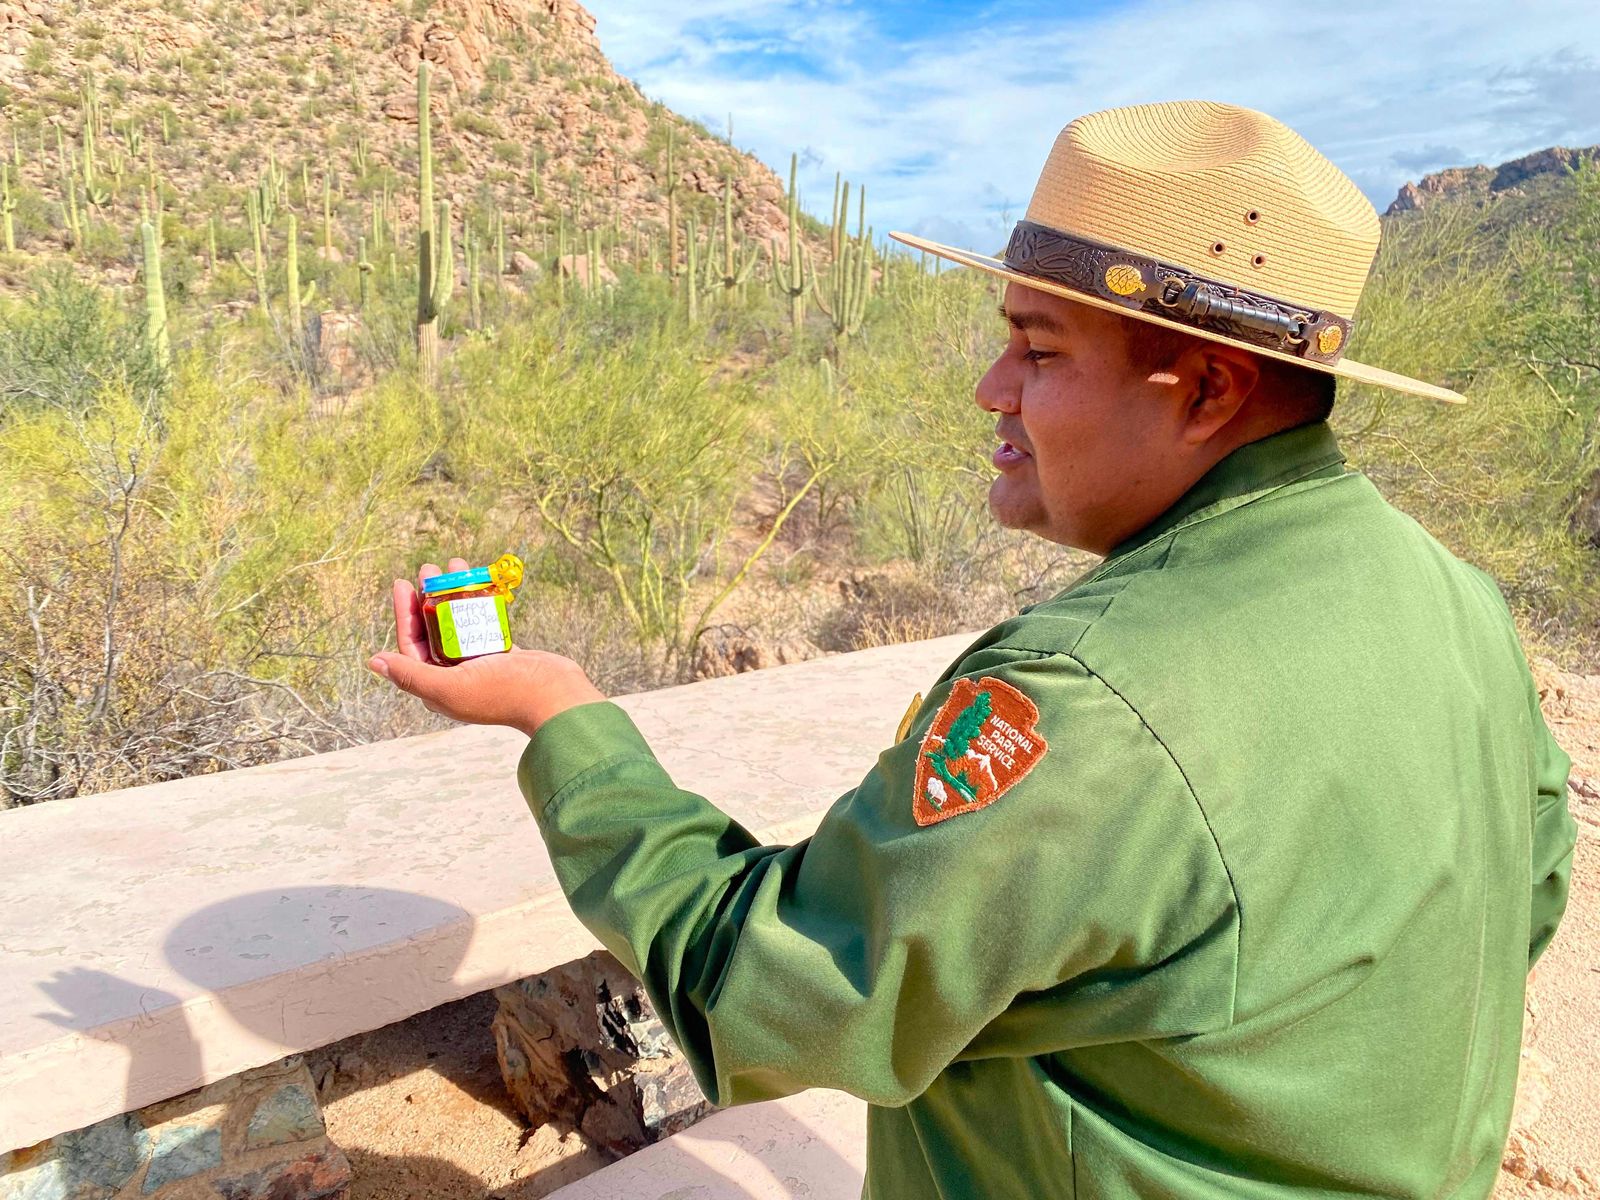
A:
[465,611]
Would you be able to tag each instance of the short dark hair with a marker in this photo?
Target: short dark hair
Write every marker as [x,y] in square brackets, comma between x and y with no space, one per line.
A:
[1302,394]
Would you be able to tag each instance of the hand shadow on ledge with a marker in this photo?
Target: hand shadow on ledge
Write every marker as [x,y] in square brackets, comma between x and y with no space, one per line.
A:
[214,947]
[453,1040]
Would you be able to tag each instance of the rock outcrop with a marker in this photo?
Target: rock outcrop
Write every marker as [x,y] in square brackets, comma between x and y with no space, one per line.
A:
[1489,181]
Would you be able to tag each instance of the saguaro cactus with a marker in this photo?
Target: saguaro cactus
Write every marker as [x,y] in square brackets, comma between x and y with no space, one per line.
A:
[252,208]
[844,301]
[155,298]
[691,276]
[365,270]
[69,186]
[293,276]
[8,205]
[499,248]
[734,273]
[473,254]
[95,193]
[561,253]
[444,267]
[428,298]
[327,217]
[792,275]
[838,216]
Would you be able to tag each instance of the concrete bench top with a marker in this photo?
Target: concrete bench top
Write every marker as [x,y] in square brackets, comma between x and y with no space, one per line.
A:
[812,1145]
[163,937]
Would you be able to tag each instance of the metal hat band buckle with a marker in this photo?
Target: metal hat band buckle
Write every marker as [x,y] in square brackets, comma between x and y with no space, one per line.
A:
[1175,293]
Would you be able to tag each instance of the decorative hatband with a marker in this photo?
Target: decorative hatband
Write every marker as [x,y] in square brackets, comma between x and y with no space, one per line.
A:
[1176,293]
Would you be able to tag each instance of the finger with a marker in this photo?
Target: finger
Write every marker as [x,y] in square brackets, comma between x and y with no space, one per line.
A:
[411,631]
[430,684]
[426,572]
[458,564]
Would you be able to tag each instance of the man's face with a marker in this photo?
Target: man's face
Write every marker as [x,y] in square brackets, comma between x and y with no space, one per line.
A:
[1086,441]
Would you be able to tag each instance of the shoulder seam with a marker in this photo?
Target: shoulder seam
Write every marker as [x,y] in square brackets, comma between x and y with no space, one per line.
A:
[1085,624]
[1188,787]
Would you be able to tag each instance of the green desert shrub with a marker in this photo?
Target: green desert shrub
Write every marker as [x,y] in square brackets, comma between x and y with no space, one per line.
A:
[64,343]
[1500,479]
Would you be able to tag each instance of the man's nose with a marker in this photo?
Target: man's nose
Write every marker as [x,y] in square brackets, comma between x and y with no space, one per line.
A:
[999,389]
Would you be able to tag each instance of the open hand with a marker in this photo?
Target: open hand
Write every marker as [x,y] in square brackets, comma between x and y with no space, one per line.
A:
[521,688]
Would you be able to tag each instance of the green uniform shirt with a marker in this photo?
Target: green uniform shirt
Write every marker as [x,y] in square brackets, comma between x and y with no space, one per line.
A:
[1252,918]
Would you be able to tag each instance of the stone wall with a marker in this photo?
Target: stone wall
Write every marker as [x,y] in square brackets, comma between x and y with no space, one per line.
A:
[579,1047]
[254,1136]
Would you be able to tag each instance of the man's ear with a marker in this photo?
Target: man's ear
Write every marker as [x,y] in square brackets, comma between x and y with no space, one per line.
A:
[1223,380]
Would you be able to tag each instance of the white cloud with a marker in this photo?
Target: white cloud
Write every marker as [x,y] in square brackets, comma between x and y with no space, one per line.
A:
[949,132]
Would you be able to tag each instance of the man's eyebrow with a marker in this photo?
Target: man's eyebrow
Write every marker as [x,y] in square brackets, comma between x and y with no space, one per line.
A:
[1031,320]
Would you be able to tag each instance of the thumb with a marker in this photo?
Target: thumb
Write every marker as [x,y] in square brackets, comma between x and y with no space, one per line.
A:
[409,675]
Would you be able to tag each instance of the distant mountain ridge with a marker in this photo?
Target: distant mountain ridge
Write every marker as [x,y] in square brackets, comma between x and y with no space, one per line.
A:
[1487,182]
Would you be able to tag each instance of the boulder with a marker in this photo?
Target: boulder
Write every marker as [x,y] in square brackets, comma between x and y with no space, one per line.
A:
[582,1046]
[331,338]
[576,266]
[729,650]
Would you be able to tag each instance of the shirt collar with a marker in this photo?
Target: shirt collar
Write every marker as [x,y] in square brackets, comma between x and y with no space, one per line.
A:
[1259,466]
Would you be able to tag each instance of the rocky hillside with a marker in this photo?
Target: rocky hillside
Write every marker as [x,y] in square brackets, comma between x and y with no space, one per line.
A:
[189,102]
[1518,177]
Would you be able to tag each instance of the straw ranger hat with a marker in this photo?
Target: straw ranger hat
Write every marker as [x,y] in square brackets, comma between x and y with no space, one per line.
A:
[1216,219]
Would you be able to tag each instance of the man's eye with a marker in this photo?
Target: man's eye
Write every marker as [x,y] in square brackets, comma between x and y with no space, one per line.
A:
[1039,355]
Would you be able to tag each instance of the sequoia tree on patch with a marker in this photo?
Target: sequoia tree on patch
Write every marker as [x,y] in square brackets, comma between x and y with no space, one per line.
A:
[967,725]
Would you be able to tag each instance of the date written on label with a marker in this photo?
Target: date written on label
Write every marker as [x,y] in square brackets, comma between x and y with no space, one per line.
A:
[479,626]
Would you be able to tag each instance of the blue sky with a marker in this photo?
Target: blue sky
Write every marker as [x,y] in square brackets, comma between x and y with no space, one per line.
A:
[946,110]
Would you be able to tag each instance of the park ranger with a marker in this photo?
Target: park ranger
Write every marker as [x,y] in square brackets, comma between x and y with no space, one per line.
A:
[1219,873]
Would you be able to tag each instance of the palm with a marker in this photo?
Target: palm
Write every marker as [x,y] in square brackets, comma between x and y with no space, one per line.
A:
[520,688]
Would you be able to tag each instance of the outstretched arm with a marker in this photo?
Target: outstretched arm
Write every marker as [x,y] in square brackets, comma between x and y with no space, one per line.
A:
[896,939]
[870,956]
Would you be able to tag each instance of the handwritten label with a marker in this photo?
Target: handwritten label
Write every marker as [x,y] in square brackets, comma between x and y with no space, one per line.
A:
[477,626]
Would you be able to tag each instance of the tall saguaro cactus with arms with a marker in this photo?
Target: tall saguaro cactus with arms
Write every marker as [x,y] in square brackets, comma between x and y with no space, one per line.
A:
[792,275]
[844,299]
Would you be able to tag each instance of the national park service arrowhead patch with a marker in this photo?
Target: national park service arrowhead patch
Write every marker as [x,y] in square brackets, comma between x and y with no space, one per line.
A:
[983,740]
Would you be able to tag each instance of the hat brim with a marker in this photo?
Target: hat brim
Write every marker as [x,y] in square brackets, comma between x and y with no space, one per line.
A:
[1344,368]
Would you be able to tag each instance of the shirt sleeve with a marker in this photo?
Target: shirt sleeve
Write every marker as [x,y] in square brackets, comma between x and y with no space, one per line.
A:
[1087,903]
[1555,835]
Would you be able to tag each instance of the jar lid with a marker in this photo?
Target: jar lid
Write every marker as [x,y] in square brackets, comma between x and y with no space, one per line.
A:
[456,579]
[506,570]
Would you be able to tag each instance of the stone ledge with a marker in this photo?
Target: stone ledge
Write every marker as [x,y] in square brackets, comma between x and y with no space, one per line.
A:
[812,1145]
[289,906]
